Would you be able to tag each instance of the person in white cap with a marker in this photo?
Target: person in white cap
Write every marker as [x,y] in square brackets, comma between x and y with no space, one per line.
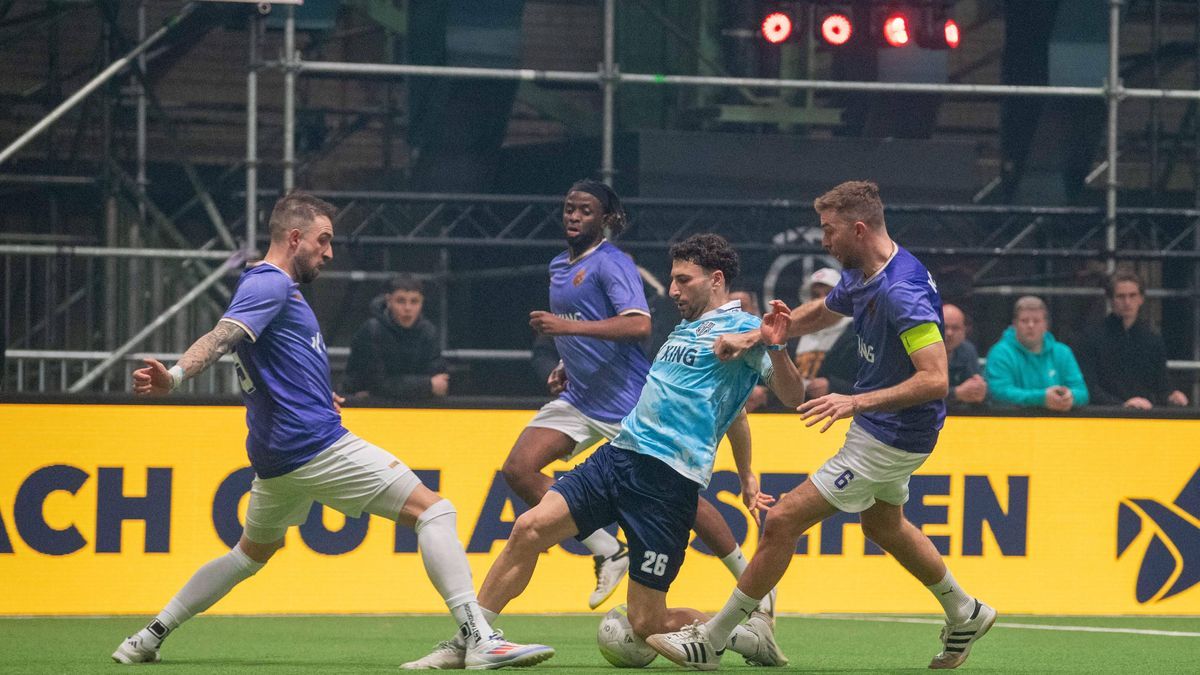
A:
[812,348]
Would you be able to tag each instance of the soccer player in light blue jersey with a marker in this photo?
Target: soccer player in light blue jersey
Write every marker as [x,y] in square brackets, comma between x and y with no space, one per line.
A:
[298,447]
[648,478]
[598,317]
[897,410]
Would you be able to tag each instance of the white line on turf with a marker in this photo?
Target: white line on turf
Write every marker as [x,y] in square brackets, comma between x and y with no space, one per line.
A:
[1028,626]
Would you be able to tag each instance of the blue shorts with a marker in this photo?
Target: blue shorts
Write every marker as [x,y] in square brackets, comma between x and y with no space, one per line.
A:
[653,503]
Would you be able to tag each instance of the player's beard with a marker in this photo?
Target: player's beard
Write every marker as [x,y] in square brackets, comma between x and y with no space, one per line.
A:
[305,273]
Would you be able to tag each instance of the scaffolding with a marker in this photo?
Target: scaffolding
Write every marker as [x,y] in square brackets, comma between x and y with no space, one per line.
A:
[1102,242]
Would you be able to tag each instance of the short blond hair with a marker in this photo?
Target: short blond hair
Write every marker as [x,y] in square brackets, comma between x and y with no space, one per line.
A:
[1030,303]
[854,200]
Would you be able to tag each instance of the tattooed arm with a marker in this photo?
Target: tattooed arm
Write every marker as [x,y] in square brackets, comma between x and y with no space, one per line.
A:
[156,379]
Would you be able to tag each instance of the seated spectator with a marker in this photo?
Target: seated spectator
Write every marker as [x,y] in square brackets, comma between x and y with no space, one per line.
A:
[1028,367]
[760,395]
[1124,361]
[395,354]
[966,383]
[828,358]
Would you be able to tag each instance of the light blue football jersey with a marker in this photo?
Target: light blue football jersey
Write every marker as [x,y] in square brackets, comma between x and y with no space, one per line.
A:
[691,397]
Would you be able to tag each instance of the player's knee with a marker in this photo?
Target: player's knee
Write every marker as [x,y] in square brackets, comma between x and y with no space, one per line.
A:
[778,528]
[516,471]
[257,552]
[527,534]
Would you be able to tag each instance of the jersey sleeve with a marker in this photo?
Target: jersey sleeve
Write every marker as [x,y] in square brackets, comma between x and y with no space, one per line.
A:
[838,300]
[910,312]
[623,285]
[257,300]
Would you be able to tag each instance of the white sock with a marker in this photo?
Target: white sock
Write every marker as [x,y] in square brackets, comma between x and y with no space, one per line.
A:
[736,610]
[602,543]
[209,584]
[488,616]
[735,562]
[954,599]
[446,564]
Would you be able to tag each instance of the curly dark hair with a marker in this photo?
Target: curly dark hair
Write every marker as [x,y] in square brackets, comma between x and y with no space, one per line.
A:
[710,251]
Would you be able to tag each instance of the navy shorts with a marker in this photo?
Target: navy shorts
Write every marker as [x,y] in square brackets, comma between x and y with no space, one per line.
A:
[653,503]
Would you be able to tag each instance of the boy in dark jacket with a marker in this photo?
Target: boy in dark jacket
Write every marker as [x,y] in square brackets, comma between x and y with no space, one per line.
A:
[396,354]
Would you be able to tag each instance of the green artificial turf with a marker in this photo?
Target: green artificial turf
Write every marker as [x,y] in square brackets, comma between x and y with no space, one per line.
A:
[336,644]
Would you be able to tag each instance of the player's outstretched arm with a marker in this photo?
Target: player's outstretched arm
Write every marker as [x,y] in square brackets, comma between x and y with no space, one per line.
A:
[632,327]
[156,379]
[810,317]
[929,383]
[786,381]
[739,440]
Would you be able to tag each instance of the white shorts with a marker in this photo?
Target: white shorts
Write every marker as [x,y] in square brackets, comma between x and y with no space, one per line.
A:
[346,476]
[865,470]
[585,431]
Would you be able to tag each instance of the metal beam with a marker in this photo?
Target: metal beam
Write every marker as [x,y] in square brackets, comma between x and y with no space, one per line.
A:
[113,252]
[95,83]
[120,352]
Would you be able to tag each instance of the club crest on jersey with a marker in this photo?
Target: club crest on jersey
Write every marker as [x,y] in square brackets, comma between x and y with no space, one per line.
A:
[579,277]
[704,328]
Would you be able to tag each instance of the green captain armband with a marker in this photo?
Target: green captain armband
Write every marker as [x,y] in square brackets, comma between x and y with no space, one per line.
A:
[921,336]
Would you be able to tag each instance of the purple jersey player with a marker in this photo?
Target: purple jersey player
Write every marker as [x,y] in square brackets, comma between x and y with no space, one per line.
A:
[299,449]
[897,411]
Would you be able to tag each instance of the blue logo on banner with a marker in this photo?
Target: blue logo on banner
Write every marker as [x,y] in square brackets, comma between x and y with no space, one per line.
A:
[1171,564]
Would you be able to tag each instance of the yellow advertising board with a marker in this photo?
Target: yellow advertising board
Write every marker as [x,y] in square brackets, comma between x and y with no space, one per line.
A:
[109,509]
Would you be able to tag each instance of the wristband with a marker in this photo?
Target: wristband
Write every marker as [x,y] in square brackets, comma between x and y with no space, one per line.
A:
[176,374]
[775,348]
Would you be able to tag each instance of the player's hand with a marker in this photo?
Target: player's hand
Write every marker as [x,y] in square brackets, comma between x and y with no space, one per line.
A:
[775,324]
[831,407]
[440,384]
[337,403]
[153,380]
[557,382]
[1139,403]
[752,497]
[732,346]
[1177,398]
[547,323]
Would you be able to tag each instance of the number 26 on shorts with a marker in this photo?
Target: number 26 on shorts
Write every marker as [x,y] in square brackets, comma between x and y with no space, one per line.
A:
[656,563]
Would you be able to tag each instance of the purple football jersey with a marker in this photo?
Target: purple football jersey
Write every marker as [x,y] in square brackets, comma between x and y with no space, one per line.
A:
[604,377]
[284,373]
[899,297]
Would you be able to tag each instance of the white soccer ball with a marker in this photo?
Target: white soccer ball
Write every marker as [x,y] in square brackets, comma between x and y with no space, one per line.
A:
[618,644]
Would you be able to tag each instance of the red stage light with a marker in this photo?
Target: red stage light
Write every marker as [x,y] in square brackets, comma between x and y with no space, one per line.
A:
[895,30]
[952,37]
[776,27]
[836,29]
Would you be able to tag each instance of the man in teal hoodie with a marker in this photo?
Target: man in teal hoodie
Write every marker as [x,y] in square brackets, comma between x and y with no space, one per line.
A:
[1028,367]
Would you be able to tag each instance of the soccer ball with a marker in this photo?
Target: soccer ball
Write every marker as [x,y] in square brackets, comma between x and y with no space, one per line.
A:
[618,644]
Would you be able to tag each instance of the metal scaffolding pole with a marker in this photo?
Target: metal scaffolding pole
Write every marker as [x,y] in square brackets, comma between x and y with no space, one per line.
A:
[608,82]
[95,83]
[578,77]
[1114,90]
[252,137]
[112,252]
[120,352]
[289,100]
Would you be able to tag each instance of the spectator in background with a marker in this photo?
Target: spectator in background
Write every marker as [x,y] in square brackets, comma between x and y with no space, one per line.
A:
[1124,361]
[828,358]
[1028,367]
[966,383]
[749,299]
[395,354]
